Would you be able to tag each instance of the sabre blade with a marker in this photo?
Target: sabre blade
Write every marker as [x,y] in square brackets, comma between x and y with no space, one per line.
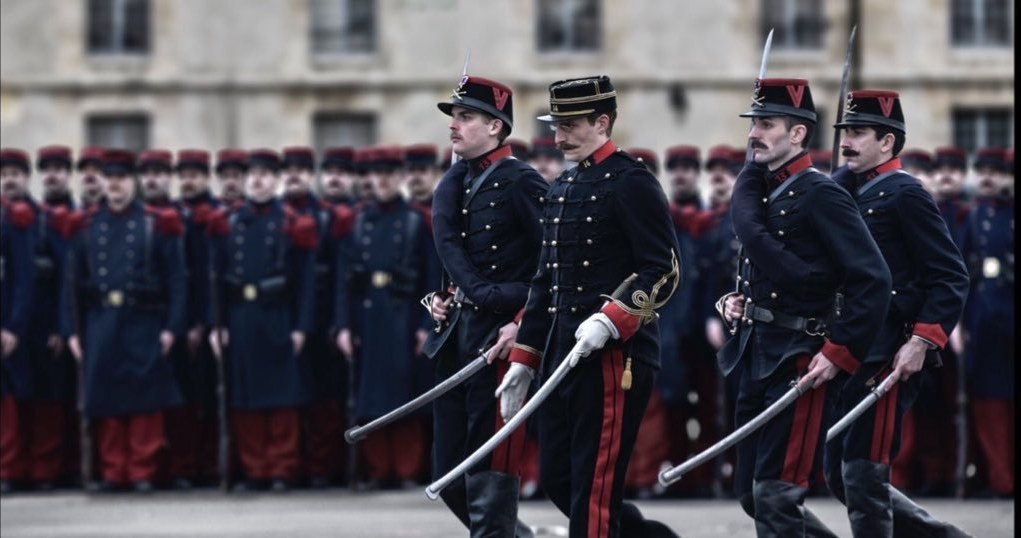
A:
[467,58]
[841,96]
[868,401]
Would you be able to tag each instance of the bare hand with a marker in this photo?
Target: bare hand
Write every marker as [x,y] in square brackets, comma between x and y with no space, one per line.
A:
[8,342]
[820,370]
[75,346]
[439,307]
[504,340]
[195,340]
[298,339]
[733,308]
[714,332]
[56,344]
[344,343]
[909,359]
[166,341]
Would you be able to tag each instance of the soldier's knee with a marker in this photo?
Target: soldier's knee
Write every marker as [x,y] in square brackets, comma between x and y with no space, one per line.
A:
[835,483]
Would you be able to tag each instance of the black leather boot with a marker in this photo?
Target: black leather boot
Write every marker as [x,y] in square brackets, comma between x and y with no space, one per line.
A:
[493,504]
[780,511]
[868,498]
[634,525]
[909,519]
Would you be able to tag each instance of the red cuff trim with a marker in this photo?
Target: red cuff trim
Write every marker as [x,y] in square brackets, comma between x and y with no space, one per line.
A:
[519,315]
[626,323]
[841,356]
[525,357]
[931,332]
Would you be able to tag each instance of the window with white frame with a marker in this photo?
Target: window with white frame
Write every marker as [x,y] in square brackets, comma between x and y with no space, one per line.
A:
[127,131]
[796,24]
[118,26]
[569,25]
[342,26]
[981,23]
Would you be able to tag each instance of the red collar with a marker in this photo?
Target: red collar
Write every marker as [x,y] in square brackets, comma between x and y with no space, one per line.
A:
[889,166]
[600,155]
[793,166]
[481,163]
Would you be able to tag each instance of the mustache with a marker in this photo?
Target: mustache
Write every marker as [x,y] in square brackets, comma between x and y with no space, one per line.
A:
[848,152]
[759,145]
[563,146]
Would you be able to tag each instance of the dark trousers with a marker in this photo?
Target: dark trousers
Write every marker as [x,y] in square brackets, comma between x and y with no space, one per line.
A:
[129,447]
[32,441]
[184,435]
[775,463]
[267,442]
[587,430]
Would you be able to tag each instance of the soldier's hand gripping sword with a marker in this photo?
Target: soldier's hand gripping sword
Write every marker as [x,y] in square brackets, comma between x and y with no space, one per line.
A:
[673,474]
[835,156]
[866,402]
[353,435]
[434,489]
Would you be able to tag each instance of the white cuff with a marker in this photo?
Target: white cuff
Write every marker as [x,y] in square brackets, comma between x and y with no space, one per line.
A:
[605,320]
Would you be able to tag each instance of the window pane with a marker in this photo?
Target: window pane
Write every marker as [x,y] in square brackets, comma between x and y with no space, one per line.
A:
[343,25]
[962,22]
[978,127]
[796,24]
[996,22]
[568,25]
[128,131]
[343,129]
[100,25]
[136,26]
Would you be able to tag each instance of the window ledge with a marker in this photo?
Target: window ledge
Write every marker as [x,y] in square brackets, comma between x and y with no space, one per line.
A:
[114,61]
[340,60]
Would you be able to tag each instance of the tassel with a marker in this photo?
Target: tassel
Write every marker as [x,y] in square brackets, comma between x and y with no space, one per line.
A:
[625,379]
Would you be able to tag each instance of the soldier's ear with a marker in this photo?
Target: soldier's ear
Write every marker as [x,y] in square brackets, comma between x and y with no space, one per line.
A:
[887,142]
[798,133]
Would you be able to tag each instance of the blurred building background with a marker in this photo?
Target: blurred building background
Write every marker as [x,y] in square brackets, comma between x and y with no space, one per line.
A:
[246,73]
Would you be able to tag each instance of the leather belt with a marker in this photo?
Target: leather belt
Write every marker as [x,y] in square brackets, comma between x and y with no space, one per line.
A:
[812,326]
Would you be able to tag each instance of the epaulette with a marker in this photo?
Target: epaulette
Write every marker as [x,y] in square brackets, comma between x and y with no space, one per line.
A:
[21,214]
[343,221]
[302,230]
[167,220]
[58,216]
[77,221]
[201,213]
[218,223]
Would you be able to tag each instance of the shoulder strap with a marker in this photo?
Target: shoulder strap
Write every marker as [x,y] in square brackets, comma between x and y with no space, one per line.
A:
[776,192]
[477,182]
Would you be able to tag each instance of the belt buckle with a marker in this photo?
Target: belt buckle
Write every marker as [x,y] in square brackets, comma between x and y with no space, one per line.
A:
[380,279]
[814,327]
[115,298]
[250,292]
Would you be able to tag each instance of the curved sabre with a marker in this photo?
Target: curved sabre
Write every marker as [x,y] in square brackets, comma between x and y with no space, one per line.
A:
[865,403]
[358,433]
[673,474]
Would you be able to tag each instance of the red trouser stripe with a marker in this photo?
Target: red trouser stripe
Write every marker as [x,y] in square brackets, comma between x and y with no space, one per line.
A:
[883,426]
[507,455]
[804,434]
[609,444]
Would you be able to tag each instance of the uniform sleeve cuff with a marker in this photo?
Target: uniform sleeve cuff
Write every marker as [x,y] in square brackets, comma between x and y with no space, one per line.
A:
[931,332]
[626,323]
[841,356]
[526,355]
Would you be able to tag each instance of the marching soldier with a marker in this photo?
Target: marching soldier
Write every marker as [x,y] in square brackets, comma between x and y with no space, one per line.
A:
[988,248]
[125,308]
[952,198]
[17,275]
[486,229]
[89,166]
[606,227]
[53,368]
[386,268]
[323,418]
[262,260]
[231,166]
[546,158]
[929,288]
[154,174]
[918,163]
[803,242]
[191,428]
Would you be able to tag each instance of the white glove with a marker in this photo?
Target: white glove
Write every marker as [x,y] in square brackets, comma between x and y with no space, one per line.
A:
[592,335]
[513,389]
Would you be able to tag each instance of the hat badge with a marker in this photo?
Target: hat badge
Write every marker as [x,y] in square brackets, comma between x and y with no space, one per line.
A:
[459,91]
[757,98]
[849,106]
